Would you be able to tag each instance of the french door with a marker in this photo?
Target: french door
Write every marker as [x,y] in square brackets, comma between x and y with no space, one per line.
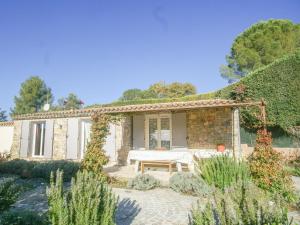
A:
[158,132]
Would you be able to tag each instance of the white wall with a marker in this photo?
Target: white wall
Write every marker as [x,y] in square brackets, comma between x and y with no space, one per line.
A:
[6,138]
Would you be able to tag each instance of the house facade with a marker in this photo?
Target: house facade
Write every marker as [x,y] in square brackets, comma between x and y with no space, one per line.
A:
[174,126]
[6,136]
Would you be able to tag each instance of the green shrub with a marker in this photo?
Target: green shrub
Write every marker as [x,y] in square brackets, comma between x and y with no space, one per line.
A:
[117,182]
[292,170]
[89,201]
[223,171]
[33,169]
[267,168]
[4,157]
[188,183]
[143,182]
[44,169]
[19,167]
[244,204]
[22,218]
[9,193]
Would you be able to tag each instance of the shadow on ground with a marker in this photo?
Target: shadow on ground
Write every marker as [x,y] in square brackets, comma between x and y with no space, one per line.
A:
[127,211]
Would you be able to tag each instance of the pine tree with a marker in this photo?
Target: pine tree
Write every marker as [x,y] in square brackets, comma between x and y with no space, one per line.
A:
[33,95]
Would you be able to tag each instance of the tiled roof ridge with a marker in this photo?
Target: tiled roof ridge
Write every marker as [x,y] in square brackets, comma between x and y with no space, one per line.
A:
[6,123]
[135,108]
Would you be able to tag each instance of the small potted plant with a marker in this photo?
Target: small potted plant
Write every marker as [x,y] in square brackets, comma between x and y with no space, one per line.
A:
[221,147]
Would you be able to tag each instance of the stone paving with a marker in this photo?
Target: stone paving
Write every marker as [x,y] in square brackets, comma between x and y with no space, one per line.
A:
[160,206]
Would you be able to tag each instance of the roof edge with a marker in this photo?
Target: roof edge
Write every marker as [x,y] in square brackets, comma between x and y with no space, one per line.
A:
[187,105]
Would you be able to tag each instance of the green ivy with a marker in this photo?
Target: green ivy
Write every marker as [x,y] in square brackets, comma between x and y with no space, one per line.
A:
[278,84]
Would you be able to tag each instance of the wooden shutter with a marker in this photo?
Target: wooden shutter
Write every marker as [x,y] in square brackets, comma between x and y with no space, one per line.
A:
[179,130]
[48,139]
[24,139]
[72,138]
[138,131]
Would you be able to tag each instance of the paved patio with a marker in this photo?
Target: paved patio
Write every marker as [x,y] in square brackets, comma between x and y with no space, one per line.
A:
[154,207]
[160,206]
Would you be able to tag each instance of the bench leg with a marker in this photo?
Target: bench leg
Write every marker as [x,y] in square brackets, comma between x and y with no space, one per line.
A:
[170,168]
[142,167]
[179,167]
[136,166]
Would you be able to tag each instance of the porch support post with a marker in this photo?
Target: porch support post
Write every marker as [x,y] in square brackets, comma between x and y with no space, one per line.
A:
[236,136]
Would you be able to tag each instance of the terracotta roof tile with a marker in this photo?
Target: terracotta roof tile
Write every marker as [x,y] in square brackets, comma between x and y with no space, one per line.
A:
[7,124]
[135,108]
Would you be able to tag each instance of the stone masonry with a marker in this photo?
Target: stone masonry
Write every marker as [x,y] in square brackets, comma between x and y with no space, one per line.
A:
[208,127]
[16,140]
[60,138]
[124,139]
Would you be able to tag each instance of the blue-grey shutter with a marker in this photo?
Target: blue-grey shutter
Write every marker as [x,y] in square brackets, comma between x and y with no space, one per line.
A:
[72,138]
[48,139]
[138,131]
[179,130]
[25,130]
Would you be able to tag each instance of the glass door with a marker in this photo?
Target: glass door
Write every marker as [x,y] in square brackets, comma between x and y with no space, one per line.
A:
[165,133]
[159,134]
[153,133]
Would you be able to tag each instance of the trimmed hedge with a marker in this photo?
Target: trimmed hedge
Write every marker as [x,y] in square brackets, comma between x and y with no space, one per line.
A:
[278,83]
[34,169]
[205,96]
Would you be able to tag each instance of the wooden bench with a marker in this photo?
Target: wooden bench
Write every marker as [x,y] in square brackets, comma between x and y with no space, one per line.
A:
[157,163]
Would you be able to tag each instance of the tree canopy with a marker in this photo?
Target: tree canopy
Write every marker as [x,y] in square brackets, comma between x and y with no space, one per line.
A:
[3,116]
[70,102]
[32,96]
[260,45]
[160,90]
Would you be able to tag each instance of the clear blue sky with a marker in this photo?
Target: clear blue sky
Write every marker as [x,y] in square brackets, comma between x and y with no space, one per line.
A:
[98,49]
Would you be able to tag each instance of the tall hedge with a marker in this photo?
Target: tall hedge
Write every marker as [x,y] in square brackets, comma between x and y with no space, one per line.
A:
[278,83]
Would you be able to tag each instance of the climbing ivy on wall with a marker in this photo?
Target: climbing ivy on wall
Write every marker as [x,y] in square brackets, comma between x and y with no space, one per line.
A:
[95,157]
[278,84]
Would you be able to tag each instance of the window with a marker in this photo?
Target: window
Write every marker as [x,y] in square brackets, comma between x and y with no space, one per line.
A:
[38,139]
[85,133]
[158,131]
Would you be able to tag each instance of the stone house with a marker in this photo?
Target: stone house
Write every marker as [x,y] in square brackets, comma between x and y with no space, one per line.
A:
[160,127]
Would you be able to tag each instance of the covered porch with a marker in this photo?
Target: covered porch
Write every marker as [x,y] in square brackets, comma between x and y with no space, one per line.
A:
[169,136]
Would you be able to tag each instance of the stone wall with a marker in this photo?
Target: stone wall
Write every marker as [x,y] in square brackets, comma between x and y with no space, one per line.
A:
[60,138]
[15,148]
[208,127]
[287,153]
[124,139]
